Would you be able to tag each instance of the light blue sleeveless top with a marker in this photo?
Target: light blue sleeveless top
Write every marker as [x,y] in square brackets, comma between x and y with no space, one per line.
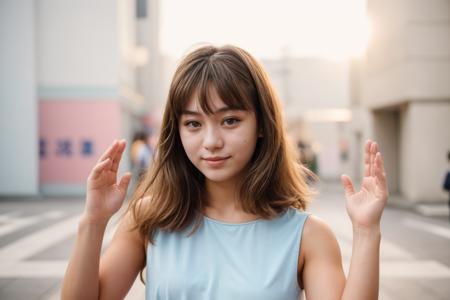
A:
[256,260]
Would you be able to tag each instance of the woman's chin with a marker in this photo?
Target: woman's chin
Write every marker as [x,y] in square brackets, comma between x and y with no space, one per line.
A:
[217,178]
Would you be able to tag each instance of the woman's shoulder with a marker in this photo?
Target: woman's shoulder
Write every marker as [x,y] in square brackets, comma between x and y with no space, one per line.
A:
[312,225]
[315,225]
[317,236]
[318,243]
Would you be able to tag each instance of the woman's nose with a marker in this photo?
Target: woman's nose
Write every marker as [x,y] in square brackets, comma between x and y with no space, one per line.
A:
[212,139]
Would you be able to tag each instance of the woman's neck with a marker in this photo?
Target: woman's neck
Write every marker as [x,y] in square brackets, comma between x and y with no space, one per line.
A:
[223,203]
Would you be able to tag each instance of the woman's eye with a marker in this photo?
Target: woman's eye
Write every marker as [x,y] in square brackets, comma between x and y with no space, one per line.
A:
[231,121]
[192,124]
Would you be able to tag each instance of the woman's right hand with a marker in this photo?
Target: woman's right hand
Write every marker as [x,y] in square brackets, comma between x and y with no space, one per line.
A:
[104,195]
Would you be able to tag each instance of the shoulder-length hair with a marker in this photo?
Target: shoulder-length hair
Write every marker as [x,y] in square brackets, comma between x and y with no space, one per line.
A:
[171,194]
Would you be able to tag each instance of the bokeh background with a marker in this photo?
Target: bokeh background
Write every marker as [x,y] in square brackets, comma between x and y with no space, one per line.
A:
[75,75]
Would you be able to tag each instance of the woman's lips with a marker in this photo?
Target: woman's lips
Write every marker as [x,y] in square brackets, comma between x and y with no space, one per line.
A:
[215,161]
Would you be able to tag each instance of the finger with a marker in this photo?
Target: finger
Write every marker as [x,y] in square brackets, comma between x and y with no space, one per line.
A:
[348,185]
[380,163]
[118,155]
[100,167]
[109,152]
[125,181]
[379,171]
[373,152]
[367,166]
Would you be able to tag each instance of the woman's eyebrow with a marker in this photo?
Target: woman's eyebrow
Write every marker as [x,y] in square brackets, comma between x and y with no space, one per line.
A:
[220,110]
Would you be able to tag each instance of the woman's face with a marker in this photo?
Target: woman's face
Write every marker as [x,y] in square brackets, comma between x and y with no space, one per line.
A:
[221,144]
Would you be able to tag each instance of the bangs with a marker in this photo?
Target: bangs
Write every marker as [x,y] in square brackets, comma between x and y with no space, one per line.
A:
[221,71]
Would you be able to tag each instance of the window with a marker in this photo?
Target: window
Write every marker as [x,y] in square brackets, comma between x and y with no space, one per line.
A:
[141,9]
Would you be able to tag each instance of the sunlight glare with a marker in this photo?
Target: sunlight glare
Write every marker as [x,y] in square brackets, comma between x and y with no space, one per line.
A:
[329,29]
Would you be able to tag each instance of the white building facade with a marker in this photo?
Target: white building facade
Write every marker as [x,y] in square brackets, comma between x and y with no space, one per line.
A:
[401,98]
[70,83]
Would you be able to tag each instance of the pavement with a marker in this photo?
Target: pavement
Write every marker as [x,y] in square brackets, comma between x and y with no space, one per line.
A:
[37,235]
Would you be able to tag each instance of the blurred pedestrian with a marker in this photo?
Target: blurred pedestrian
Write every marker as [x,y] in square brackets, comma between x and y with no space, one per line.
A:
[141,154]
[223,213]
[308,159]
[446,184]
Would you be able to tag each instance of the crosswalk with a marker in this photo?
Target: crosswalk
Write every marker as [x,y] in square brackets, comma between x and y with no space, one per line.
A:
[15,262]
[396,262]
[14,257]
[430,228]
[11,223]
[399,266]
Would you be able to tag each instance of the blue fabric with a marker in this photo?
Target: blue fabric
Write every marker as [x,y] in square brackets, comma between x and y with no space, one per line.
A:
[254,260]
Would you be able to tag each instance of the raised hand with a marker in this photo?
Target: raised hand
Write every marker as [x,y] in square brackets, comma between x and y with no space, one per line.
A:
[104,195]
[366,206]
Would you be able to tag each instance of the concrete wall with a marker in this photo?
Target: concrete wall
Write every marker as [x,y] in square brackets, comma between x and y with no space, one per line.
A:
[18,107]
[409,55]
[405,87]
[67,89]
[387,133]
[308,88]
[309,83]
[79,80]
[149,74]
[360,129]
[425,140]
[77,44]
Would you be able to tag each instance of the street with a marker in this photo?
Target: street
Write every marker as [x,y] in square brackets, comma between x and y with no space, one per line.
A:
[37,235]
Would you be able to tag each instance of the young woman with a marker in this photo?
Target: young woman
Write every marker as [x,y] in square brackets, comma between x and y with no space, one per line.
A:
[221,214]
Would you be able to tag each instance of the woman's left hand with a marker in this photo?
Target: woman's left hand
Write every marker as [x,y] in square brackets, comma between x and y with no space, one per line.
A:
[366,206]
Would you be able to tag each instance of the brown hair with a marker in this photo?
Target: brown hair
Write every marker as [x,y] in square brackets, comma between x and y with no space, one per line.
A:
[174,188]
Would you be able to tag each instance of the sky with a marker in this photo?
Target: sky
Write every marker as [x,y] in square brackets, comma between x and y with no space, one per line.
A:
[330,29]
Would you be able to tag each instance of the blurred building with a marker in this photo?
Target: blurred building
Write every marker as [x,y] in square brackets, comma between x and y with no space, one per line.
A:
[401,98]
[315,97]
[74,76]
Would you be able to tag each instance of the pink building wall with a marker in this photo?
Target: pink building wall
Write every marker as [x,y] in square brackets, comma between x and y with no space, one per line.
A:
[73,134]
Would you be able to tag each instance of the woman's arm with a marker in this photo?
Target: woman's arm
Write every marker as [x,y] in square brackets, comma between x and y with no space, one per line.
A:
[363,276]
[110,277]
[122,261]
[322,272]
[81,278]
[104,197]
[365,209]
